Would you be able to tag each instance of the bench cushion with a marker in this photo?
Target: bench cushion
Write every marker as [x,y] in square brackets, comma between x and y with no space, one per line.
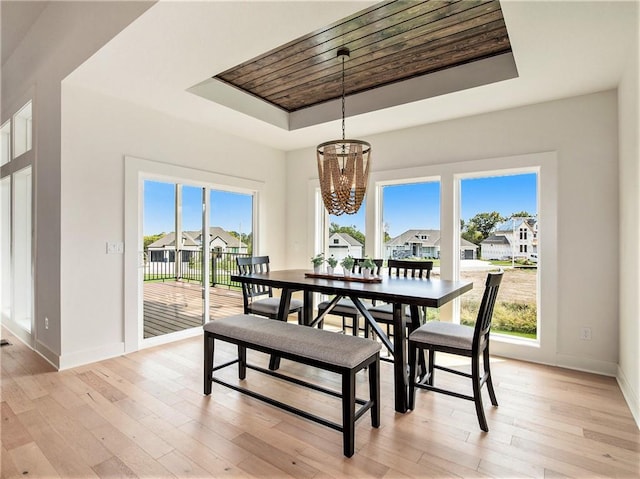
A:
[315,344]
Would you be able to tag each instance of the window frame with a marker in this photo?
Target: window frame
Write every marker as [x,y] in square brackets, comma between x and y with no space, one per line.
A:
[450,174]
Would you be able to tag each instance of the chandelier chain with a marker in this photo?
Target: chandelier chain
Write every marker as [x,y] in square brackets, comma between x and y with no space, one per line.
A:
[343,137]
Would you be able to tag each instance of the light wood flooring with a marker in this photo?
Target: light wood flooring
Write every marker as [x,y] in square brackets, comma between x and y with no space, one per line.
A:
[144,415]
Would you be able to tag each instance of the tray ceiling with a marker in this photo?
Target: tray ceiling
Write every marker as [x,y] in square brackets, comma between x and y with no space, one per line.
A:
[390,42]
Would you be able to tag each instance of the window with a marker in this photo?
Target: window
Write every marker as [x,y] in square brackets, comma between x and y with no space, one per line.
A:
[22,131]
[411,220]
[5,143]
[352,230]
[492,207]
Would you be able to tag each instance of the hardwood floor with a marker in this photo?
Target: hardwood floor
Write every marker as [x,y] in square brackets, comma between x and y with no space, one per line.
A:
[144,415]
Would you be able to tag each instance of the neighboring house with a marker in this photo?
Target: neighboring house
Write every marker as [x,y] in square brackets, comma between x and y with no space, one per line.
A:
[343,244]
[517,238]
[423,244]
[220,241]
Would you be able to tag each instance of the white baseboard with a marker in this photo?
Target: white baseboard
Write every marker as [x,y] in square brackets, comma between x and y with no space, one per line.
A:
[588,365]
[630,395]
[47,354]
[87,356]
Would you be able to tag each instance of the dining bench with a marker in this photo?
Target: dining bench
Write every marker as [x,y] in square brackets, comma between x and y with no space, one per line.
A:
[339,353]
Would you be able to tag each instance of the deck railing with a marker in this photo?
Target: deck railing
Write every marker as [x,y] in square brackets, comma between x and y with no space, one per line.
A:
[189,268]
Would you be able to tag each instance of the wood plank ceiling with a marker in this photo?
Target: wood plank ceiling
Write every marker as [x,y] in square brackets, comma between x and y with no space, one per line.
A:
[389,42]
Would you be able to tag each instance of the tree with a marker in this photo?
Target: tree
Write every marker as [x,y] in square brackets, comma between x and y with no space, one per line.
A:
[151,239]
[350,230]
[246,238]
[522,214]
[480,226]
[471,234]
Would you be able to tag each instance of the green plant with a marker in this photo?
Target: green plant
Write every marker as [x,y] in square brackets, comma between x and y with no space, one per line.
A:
[318,259]
[347,263]
[508,317]
[332,261]
[368,263]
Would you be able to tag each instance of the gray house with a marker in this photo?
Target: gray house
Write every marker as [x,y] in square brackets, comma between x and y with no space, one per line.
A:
[423,244]
[220,241]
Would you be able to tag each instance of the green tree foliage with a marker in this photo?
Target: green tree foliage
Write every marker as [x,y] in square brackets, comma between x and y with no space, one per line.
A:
[152,239]
[246,238]
[522,214]
[350,230]
[480,226]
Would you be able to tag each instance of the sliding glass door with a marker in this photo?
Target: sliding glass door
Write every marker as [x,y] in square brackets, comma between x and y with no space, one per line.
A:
[192,237]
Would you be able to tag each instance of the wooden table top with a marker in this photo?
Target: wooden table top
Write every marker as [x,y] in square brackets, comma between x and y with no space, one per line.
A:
[432,293]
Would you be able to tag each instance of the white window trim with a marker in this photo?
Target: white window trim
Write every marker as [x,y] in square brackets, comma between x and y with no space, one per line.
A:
[545,163]
[137,170]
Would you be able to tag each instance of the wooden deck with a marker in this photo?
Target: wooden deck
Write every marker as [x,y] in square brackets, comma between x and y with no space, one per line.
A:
[175,305]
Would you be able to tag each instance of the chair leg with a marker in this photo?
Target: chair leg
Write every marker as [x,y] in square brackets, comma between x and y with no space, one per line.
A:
[477,393]
[487,370]
[374,392]
[431,369]
[423,366]
[413,349]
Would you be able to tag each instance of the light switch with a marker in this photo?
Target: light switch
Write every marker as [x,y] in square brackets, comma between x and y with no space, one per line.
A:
[115,247]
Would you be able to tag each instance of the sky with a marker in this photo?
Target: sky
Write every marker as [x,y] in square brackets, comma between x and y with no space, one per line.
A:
[407,206]
[231,211]
[417,205]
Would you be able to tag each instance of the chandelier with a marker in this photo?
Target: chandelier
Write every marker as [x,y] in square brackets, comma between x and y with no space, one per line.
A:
[343,167]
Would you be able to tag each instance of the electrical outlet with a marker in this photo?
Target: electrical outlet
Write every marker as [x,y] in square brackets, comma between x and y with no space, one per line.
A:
[46,323]
[585,334]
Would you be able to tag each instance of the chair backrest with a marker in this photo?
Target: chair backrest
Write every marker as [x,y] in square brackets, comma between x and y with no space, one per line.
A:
[249,265]
[357,267]
[485,313]
[410,268]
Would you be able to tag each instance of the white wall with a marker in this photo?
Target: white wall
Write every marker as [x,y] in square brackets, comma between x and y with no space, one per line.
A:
[583,133]
[63,37]
[629,125]
[97,133]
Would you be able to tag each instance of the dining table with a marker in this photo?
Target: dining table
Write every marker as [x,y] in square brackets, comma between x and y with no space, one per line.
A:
[399,291]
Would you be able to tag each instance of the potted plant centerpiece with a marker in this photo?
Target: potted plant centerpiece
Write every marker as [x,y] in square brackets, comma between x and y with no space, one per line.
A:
[367,266]
[332,262]
[347,265]
[317,261]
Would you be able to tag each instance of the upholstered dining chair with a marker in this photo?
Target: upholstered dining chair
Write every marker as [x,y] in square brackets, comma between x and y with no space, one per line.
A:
[259,299]
[383,313]
[345,307]
[461,340]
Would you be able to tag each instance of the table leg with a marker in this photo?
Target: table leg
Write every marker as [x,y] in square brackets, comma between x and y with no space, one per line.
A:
[283,314]
[307,311]
[398,349]
[401,379]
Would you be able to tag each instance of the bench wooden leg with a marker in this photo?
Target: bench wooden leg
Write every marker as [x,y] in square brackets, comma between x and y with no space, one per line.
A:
[208,362]
[242,362]
[374,392]
[348,412]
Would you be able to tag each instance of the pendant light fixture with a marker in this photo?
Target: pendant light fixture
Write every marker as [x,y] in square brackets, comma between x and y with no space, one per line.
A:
[343,166]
